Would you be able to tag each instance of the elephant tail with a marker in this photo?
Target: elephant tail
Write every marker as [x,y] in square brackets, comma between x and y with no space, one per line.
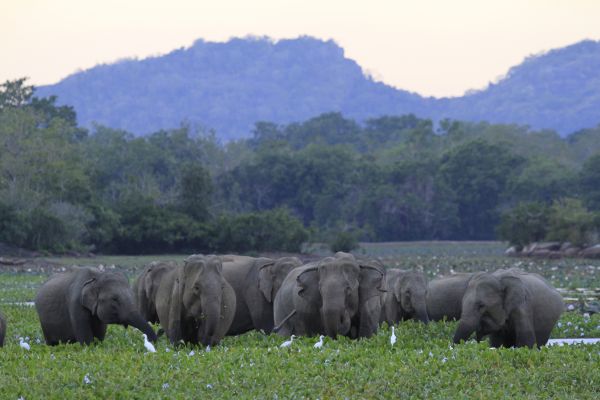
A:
[290,315]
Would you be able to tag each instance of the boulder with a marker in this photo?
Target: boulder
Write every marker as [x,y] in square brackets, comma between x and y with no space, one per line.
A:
[591,252]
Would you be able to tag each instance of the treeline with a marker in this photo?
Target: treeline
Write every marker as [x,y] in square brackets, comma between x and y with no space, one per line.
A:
[392,178]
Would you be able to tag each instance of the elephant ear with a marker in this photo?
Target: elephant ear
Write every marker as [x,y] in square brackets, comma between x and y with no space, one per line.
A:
[175,306]
[265,278]
[372,280]
[515,294]
[89,295]
[372,286]
[307,279]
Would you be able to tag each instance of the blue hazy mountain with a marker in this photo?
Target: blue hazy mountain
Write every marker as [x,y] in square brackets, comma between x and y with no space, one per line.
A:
[229,86]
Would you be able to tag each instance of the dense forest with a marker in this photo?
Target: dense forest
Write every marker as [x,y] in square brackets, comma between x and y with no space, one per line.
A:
[66,188]
[292,80]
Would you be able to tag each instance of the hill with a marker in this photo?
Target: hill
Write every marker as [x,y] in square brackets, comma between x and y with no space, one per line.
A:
[229,86]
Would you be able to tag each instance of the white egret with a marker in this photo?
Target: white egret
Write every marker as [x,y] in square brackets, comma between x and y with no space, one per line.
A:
[393,337]
[24,344]
[149,346]
[287,343]
[319,344]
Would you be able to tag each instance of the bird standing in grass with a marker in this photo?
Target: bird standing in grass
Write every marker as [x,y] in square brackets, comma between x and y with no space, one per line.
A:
[393,337]
[287,343]
[24,344]
[149,346]
[319,344]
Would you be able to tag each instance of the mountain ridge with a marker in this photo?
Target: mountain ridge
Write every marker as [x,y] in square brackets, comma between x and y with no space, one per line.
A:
[229,86]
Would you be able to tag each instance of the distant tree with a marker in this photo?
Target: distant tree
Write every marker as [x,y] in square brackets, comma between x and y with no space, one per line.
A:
[478,172]
[15,93]
[526,223]
[571,222]
[590,182]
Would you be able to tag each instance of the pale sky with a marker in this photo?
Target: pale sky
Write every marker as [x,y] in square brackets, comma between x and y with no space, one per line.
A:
[435,48]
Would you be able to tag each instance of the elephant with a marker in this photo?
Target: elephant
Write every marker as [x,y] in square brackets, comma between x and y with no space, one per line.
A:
[444,296]
[77,305]
[2,329]
[515,308]
[256,282]
[146,286]
[194,302]
[335,296]
[405,297]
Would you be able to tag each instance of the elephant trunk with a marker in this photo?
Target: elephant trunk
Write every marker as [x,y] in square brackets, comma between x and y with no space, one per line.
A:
[211,310]
[137,321]
[421,311]
[465,329]
[336,322]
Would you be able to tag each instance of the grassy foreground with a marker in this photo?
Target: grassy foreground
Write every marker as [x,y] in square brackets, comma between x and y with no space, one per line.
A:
[422,364]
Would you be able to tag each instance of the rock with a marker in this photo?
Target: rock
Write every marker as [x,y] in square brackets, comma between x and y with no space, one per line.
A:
[591,252]
[572,251]
[550,246]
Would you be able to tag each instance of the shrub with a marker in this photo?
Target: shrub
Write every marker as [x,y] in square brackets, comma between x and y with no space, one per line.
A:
[524,224]
[571,222]
[274,230]
[343,241]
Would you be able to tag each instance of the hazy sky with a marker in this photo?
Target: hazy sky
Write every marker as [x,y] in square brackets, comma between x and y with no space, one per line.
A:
[438,48]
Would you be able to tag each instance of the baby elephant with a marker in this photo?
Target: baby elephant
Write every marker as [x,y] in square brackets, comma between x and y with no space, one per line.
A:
[405,297]
[194,302]
[76,306]
[2,329]
[513,307]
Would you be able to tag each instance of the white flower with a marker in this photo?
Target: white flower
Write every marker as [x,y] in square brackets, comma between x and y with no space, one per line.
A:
[86,379]
[209,386]
[569,323]
[167,350]
[559,324]
[191,353]
[586,316]
[444,360]
[570,307]
[165,386]
[430,354]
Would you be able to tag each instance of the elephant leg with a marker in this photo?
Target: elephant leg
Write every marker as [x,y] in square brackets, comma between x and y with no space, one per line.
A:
[98,329]
[497,339]
[82,327]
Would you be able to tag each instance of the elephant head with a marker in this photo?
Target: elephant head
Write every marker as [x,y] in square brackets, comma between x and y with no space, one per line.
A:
[200,287]
[332,286]
[371,287]
[410,292]
[109,297]
[272,273]
[488,303]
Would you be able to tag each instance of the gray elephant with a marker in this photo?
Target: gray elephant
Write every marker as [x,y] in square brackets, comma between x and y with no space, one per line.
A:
[194,302]
[146,285]
[514,308]
[405,297]
[335,296]
[256,282]
[2,329]
[444,296]
[77,305]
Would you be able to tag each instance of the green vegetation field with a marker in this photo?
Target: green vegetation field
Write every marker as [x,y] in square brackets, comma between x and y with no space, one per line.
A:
[422,364]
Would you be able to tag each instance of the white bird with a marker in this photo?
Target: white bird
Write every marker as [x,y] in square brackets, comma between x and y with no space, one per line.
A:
[287,343]
[24,344]
[149,346]
[393,337]
[319,344]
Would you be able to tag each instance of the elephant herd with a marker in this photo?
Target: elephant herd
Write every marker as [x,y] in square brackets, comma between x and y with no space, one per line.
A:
[209,297]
